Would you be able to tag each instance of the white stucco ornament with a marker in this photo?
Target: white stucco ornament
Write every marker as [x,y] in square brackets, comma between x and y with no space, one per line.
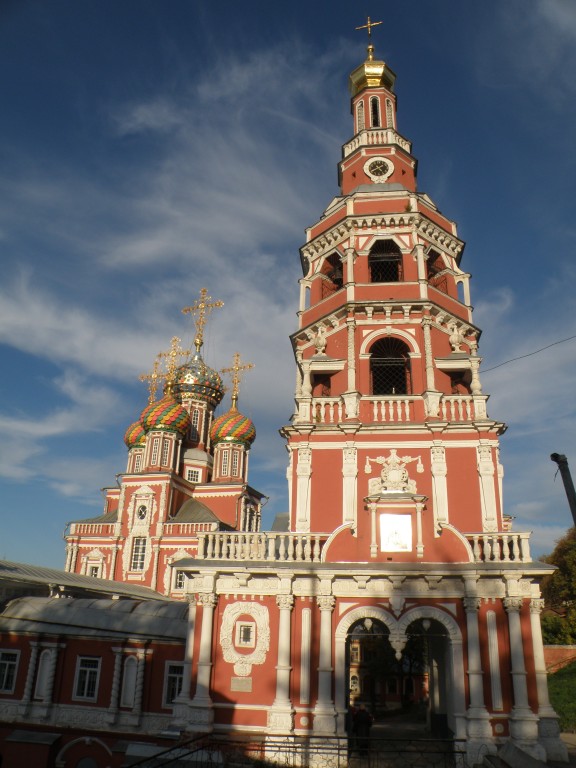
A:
[393,475]
[243,661]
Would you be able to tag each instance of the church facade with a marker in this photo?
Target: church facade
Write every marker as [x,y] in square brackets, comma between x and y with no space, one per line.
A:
[399,582]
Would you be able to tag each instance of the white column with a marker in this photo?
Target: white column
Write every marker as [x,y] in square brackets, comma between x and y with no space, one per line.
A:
[439,485]
[115,687]
[487,488]
[303,473]
[544,707]
[141,656]
[305,650]
[548,727]
[324,712]
[202,701]
[280,717]
[494,656]
[348,259]
[478,721]
[523,722]
[349,483]
[27,695]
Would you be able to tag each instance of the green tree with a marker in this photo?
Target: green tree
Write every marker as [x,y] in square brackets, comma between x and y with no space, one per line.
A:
[559,592]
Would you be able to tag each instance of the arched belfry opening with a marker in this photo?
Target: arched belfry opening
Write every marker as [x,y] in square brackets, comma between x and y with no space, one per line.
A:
[390,367]
[385,262]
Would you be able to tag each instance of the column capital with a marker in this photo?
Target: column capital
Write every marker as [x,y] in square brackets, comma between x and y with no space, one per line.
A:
[512,604]
[471,604]
[536,605]
[207,599]
[326,602]
[285,602]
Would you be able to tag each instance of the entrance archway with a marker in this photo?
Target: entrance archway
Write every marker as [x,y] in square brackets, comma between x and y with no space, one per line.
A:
[411,668]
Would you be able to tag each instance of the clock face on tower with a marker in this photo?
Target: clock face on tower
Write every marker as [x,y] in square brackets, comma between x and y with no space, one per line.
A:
[378,168]
[141,512]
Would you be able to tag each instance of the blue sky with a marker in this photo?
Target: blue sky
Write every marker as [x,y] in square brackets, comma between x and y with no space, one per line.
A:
[148,149]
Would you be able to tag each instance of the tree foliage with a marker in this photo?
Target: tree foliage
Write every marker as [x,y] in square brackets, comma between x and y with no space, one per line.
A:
[559,592]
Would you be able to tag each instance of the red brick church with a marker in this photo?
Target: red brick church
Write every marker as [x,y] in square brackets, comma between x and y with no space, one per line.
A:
[397,581]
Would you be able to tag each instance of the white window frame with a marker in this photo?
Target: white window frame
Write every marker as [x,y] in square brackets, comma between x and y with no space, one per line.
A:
[173,671]
[179,580]
[8,669]
[193,475]
[195,418]
[235,462]
[240,638]
[138,462]
[225,462]
[165,451]
[138,555]
[87,678]
[155,451]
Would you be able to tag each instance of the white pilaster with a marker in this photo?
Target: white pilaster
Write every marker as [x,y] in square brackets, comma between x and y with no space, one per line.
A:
[324,712]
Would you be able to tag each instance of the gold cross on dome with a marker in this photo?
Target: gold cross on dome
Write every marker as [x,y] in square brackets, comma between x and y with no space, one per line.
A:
[235,371]
[200,311]
[153,380]
[369,26]
[173,359]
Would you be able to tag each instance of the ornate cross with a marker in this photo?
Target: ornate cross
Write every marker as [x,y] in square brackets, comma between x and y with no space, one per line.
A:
[235,376]
[153,380]
[369,26]
[173,358]
[200,311]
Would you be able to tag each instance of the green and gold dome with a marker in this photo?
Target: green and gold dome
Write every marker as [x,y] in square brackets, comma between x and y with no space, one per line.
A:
[135,437]
[233,427]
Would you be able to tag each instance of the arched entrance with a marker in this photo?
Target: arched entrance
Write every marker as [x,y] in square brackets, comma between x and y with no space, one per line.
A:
[408,673]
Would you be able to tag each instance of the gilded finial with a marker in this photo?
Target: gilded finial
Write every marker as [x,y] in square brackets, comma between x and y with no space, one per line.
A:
[369,26]
[235,372]
[200,311]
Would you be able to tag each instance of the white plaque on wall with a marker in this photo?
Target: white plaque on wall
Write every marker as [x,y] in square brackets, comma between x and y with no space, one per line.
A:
[395,533]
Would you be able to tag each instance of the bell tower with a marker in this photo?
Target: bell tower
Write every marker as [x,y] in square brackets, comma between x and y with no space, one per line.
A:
[392,450]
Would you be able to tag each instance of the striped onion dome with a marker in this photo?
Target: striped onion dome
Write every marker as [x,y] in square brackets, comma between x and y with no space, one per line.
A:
[233,427]
[134,437]
[196,379]
[166,414]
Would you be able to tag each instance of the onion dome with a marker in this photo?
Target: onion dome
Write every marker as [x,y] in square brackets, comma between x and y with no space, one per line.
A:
[196,379]
[135,436]
[166,414]
[233,427]
[371,74]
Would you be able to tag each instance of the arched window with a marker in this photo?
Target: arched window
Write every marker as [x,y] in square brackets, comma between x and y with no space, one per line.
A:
[437,272]
[390,367]
[385,262]
[41,689]
[360,123]
[332,275]
[375,112]
[389,114]
[129,682]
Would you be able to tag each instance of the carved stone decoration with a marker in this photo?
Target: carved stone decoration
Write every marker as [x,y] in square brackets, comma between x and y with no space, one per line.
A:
[243,662]
[320,340]
[456,338]
[394,475]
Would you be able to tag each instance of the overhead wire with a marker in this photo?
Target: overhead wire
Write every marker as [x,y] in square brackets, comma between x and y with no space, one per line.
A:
[529,354]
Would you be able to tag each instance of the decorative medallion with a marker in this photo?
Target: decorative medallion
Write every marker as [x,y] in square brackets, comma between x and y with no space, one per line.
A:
[378,168]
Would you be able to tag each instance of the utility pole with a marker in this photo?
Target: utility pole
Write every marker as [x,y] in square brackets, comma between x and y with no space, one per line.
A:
[562,461]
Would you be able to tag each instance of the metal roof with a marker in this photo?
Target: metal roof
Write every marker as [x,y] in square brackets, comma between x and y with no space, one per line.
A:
[52,578]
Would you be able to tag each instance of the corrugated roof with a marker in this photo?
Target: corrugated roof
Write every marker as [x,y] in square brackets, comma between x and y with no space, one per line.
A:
[52,577]
[109,517]
[96,616]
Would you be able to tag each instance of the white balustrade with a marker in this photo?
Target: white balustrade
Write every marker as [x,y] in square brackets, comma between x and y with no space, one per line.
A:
[500,547]
[275,547]
[376,136]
